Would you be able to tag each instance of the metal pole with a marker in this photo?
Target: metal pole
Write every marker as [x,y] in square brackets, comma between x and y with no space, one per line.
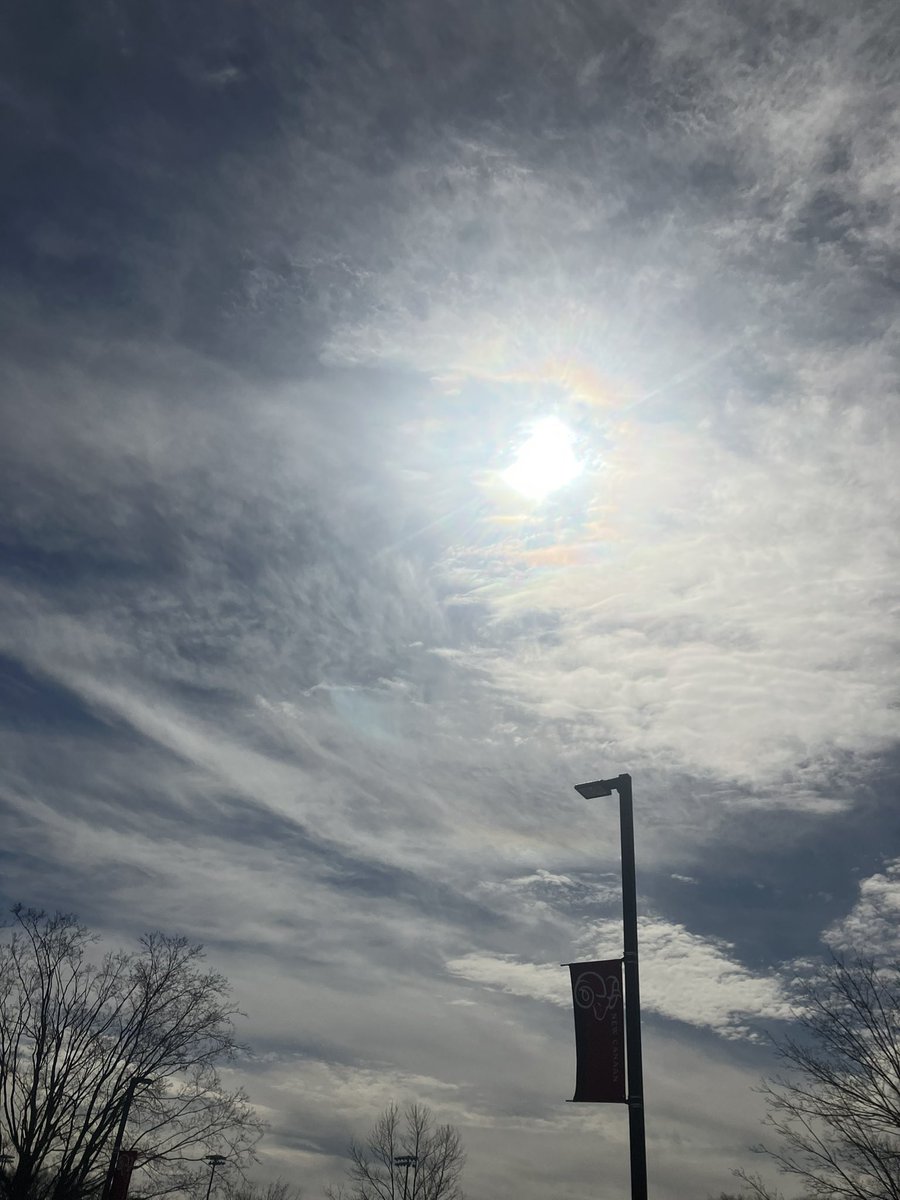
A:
[406,1161]
[635,1070]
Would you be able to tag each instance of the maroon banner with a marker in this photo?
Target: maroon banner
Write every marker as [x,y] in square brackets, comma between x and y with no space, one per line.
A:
[125,1161]
[599,1032]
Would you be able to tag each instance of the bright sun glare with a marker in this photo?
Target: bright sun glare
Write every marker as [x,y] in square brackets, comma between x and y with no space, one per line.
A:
[545,462]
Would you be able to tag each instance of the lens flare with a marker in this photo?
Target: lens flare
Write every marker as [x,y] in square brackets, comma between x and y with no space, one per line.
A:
[545,462]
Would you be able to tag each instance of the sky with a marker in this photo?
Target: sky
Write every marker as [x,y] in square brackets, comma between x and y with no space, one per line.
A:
[288,663]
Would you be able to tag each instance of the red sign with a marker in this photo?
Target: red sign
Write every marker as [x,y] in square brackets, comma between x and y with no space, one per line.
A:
[125,1161]
[599,1032]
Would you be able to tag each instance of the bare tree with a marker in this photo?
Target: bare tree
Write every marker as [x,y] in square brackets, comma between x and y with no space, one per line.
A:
[836,1111]
[434,1154]
[88,1041]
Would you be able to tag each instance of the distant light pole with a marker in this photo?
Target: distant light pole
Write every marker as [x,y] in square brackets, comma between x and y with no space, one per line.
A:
[634,1064]
[120,1132]
[406,1161]
[214,1160]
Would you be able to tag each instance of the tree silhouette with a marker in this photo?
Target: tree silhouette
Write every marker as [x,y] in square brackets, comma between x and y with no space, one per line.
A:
[89,1040]
[436,1151]
[836,1110]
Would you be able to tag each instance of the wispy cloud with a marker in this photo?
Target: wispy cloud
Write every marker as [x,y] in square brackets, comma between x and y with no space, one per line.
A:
[685,978]
[292,669]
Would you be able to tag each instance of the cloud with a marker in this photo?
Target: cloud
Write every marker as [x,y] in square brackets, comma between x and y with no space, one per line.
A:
[698,608]
[871,926]
[684,978]
[714,559]
[292,671]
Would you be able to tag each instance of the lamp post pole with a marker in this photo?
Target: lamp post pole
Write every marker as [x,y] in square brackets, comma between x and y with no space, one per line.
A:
[214,1160]
[634,1059]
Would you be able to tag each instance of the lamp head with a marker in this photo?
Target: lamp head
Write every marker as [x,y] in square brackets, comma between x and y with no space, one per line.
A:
[599,787]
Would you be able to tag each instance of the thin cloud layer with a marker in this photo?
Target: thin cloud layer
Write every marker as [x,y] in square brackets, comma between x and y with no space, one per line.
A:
[287,663]
[684,978]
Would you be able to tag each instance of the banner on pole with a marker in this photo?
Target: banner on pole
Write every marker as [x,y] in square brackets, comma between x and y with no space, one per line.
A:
[125,1161]
[599,1032]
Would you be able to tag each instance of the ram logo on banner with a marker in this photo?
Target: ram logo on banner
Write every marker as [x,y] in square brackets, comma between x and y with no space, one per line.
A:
[599,1032]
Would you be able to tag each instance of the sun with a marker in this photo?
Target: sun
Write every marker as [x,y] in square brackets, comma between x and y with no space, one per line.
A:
[545,462]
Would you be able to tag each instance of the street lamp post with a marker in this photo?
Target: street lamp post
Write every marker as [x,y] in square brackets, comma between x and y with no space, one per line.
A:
[214,1160]
[634,1062]
[120,1132]
[406,1161]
